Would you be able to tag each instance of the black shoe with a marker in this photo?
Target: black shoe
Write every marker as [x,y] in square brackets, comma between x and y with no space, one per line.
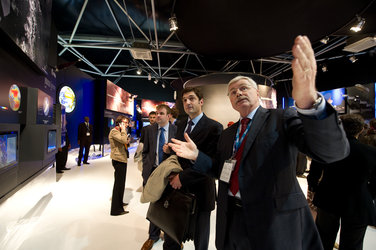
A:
[125,204]
[59,171]
[121,213]
[85,162]
[79,164]
[65,169]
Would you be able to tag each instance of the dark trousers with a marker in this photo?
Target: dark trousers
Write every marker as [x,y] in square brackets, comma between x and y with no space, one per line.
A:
[84,144]
[154,232]
[201,237]
[61,158]
[236,231]
[351,235]
[119,186]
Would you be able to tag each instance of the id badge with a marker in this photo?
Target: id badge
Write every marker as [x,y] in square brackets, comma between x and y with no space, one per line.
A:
[87,134]
[227,169]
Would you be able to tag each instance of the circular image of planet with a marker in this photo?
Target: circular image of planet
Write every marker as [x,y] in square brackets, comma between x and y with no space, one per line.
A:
[46,105]
[14,97]
[67,98]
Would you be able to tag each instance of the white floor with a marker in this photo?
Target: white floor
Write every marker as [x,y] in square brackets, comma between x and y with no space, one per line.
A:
[72,212]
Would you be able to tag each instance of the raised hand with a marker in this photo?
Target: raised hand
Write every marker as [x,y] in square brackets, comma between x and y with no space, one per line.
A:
[304,73]
[187,150]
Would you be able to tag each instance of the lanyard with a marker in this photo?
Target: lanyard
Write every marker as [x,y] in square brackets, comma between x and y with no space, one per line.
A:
[237,141]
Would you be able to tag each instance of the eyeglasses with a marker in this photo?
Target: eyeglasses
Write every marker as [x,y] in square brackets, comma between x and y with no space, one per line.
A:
[242,89]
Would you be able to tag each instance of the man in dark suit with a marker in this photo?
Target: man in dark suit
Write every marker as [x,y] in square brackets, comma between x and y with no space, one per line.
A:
[205,133]
[85,133]
[155,137]
[260,203]
[344,191]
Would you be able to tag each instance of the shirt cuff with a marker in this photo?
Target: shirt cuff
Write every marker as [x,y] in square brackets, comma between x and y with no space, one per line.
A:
[313,111]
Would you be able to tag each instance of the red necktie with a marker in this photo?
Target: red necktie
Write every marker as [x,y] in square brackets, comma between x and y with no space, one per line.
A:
[234,181]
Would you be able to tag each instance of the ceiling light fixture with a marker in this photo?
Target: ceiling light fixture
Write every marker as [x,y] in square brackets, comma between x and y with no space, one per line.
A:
[359,25]
[173,23]
[149,76]
[156,81]
[139,71]
[353,59]
[325,40]
[163,85]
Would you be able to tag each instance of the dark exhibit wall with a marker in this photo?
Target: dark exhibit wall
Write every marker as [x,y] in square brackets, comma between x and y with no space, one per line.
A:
[26,76]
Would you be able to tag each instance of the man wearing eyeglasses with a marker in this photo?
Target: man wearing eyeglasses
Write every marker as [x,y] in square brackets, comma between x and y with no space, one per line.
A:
[260,203]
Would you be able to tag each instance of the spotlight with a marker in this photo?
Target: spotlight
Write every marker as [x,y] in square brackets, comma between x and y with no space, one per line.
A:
[173,23]
[149,77]
[156,81]
[324,68]
[139,71]
[325,40]
[163,85]
[359,25]
[353,59]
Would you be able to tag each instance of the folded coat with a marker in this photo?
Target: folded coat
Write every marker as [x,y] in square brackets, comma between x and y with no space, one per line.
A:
[158,179]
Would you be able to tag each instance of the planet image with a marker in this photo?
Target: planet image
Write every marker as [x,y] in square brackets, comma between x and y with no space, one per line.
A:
[67,98]
[14,97]
[46,106]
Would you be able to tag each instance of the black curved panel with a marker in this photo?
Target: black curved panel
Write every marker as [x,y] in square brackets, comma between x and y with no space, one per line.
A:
[252,29]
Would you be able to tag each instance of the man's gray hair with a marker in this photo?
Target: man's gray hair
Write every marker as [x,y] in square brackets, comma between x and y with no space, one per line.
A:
[248,79]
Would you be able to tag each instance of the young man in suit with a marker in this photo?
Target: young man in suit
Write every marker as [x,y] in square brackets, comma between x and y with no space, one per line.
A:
[205,133]
[260,202]
[85,133]
[155,137]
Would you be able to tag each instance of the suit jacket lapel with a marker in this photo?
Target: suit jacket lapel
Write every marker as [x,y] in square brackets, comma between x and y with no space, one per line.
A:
[257,123]
[197,128]
[170,132]
[154,134]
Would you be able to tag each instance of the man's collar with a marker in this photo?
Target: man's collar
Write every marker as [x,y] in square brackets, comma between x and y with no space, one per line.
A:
[197,118]
[251,114]
[165,127]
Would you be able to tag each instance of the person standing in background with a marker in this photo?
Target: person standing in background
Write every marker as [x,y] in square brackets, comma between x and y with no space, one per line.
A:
[85,133]
[62,155]
[344,191]
[118,140]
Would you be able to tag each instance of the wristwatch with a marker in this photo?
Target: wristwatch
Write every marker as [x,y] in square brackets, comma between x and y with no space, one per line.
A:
[317,103]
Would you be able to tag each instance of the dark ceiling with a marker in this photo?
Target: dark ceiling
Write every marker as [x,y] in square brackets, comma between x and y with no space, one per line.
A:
[213,37]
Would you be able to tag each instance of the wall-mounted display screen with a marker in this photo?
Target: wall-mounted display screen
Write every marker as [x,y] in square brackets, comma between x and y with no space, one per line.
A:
[8,149]
[67,98]
[150,105]
[51,140]
[45,108]
[10,102]
[111,122]
[119,100]
[28,24]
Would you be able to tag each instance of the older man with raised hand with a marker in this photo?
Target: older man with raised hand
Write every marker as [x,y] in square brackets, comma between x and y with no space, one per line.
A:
[260,202]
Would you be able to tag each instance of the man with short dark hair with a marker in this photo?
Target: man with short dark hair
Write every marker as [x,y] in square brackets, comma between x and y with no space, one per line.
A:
[205,133]
[85,133]
[156,136]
